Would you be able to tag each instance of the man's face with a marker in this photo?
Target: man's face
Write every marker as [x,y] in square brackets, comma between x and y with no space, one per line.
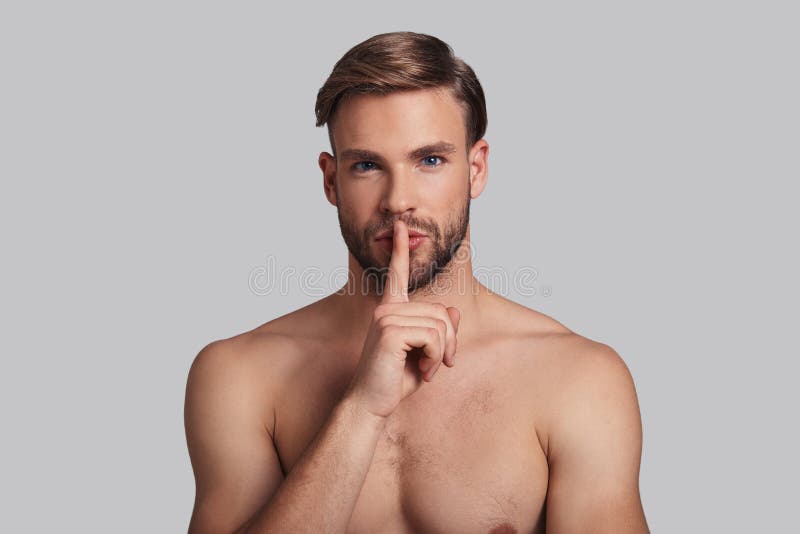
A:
[381,176]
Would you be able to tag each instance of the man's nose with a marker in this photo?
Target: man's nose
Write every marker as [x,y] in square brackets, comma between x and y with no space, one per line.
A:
[400,193]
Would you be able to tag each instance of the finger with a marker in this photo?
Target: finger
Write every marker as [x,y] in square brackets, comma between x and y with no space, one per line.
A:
[426,339]
[396,288]
[417,320]
[430,377]
[429,309]
[455,316]
[429,368]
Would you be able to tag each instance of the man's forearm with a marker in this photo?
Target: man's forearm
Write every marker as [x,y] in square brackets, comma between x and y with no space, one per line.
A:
[320,492]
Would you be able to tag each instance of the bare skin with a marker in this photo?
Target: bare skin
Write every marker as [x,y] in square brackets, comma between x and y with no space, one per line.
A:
[500,419]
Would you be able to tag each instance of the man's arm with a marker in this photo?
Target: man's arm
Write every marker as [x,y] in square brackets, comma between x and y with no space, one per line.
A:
[239,483]
[595,447]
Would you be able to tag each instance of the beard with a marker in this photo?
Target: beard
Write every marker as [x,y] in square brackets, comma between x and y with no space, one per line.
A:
[423,266]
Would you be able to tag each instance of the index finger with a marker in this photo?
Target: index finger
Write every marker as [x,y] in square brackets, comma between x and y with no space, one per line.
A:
[396,287]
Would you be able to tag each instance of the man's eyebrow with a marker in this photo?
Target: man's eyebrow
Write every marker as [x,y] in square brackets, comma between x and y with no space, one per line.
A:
[440,147]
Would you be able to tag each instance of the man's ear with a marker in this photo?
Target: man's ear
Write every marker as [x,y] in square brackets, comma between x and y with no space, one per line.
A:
[328,165]
[478,167]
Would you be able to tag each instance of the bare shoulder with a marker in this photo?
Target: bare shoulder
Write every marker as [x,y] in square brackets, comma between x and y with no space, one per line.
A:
[586,413]
[255,364]
[247,352]
[566,371]
[230,421]
[235,372]
[589,397]
[553,344]
[588,372]
[280,338]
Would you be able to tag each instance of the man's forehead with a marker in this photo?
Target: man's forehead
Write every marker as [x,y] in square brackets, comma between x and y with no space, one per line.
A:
[401,121]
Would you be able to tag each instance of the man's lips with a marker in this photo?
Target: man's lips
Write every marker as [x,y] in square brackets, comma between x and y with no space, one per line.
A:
[414,241]
[389,233]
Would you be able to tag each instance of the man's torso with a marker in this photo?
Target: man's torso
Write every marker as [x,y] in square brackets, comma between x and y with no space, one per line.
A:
[465,453]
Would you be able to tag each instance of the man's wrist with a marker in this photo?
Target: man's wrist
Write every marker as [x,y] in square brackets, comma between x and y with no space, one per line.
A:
[354,409]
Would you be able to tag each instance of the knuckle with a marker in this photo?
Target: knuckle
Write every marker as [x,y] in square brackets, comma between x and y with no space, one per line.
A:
[383,322]
[390,330]
[378,312]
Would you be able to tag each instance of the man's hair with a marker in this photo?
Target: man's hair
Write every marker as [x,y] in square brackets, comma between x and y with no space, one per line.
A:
[403,61]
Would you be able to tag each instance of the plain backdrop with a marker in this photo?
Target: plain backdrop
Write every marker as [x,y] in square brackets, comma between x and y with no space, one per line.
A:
[155,155]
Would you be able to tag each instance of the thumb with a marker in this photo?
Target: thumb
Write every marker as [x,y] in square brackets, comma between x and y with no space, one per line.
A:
[455,316]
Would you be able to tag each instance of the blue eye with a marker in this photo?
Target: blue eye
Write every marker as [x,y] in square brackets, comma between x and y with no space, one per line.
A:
[360,169]
[366,166]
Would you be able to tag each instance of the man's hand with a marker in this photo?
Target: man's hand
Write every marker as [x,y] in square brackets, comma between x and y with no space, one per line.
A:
[386,373]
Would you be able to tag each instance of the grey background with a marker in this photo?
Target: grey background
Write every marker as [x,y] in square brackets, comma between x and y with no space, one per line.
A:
[154,154]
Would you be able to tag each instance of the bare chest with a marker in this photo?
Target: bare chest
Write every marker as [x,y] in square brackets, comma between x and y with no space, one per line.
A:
[456,456]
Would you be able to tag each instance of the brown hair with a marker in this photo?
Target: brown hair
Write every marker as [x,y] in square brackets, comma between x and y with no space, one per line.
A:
[400,61]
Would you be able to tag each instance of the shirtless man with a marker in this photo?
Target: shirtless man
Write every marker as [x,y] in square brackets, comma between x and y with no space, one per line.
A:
[340,417]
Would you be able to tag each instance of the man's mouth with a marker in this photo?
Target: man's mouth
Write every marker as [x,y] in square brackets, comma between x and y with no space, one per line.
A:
[413,242]
[388,234]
